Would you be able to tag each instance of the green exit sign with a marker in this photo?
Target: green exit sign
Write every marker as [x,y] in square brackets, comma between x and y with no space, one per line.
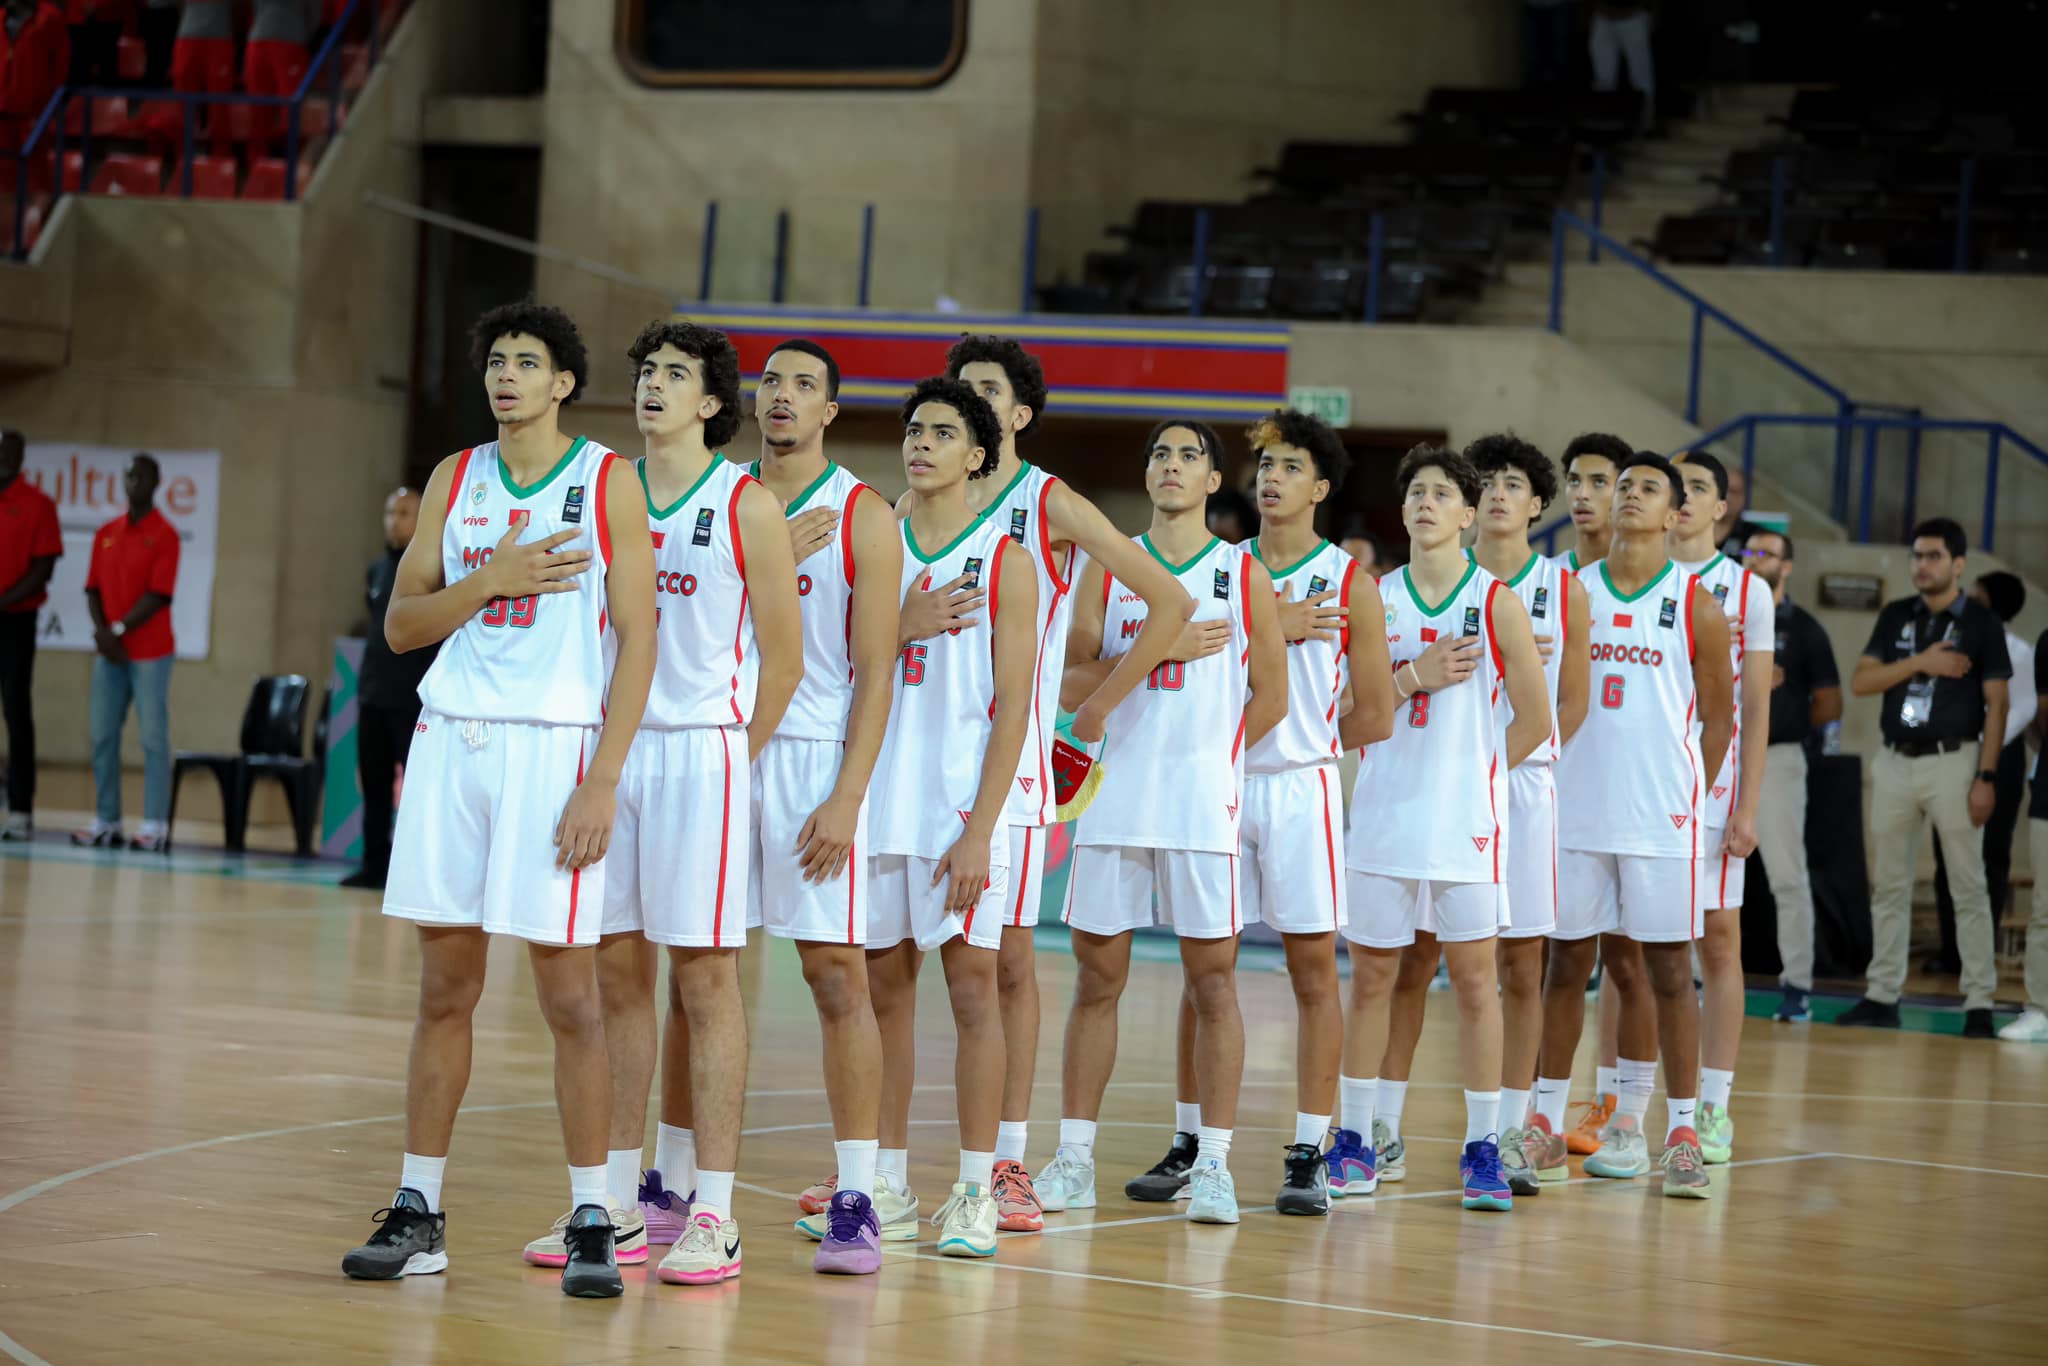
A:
[1330,404]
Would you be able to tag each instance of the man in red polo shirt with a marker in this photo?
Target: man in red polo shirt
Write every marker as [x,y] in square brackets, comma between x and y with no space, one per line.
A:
[128,588]
[29,546]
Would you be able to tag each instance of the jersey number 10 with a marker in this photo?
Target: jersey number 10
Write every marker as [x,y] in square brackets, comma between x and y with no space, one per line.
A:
[511,612]
[1167,676]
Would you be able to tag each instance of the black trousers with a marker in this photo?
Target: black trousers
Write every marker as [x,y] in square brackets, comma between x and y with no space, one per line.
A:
[2011,789]
[159,28]
[17,669]
[383,738]
[96,52]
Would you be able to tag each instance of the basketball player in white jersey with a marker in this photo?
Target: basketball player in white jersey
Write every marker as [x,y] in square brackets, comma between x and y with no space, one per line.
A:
[1056,526]
[808,873]
[1164,823]
[526,548]
[1731,805]
[960,711]
[1430,837]
[729,655]
[1630,840]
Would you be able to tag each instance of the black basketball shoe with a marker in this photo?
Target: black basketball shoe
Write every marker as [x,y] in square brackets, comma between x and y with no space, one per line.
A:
[592,1271]
[410,1240]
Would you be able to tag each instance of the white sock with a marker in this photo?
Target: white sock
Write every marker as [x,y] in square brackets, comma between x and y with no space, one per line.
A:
[1716,1085]
[1482,1111]
[622,1176]
[857,1158]
[1212,1147]
[1078,1137]
[423,1174]
[892,1165]
[1011,1139]
[1681,1112]
[1355,1102]
[675,1157]
[977,1169]
[714,1194]
[1187,1117]
[1514,1109]
[1551,1095]
[1310,1128]
[1388,1099]
[1607,1081]
[586,1187]
[1638,1080]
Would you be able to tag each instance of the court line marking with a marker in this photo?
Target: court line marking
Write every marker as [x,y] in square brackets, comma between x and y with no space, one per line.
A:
[1208,1292]
[1938,1166]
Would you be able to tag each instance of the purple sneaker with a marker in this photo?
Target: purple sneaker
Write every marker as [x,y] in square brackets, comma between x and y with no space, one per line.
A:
[667,1214]
[852,1245]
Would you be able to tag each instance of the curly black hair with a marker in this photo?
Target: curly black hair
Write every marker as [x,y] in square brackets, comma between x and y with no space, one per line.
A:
[1291,427]
[1458,467]
[714,352]
[982,428]
[1652,460]
[1505,450]
[1026,376]
[554,329]
[1598,443]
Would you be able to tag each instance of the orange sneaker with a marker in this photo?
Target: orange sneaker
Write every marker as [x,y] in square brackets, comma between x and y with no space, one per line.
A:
[1584,1137]
[816,1198]
[1546,1151]
[1017,1207]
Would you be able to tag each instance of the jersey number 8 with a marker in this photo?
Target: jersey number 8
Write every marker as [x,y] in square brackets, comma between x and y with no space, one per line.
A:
[1610,691]
[1418,709]
[511,612]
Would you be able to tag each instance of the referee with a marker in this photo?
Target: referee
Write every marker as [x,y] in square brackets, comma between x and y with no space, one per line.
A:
[1941,663]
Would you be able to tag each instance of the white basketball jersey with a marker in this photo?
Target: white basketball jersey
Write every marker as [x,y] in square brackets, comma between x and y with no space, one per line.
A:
[1431,800]
[1752,625]
[704,663]
[538,659]
[1019,513]
[942,705]
[1541,586]
[1316,669]
[824,594]
[1632,779]
[1172,749]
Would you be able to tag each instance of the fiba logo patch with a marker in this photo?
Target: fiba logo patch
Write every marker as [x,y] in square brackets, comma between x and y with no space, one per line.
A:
[477,492]
[1471,621]
[1667,615]
[572,505]
[972,569]
[1541,607]
[1721,594]
[1223,583]
[1316,584]
[702,535]
[1017,525]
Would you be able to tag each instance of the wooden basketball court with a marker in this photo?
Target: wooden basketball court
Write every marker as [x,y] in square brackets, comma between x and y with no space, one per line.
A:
[204,1072]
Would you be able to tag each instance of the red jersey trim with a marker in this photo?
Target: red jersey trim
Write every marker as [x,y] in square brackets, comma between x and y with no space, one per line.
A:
[604,520]
[1058,573]
[732,521]
[846,534]
[455,484]
[1351,572]
[1692,586]
[1500,669]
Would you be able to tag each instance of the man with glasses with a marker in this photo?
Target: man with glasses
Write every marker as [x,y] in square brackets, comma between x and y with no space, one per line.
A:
[1806,694]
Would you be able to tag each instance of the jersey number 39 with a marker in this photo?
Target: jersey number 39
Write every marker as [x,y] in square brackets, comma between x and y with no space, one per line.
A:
[511,612]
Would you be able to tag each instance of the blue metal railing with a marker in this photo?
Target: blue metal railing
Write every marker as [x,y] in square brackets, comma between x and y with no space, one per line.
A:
[50,130]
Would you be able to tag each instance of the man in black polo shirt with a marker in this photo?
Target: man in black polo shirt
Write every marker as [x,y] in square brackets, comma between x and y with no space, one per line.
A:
[387,696]
[1941,663]
[1806,694]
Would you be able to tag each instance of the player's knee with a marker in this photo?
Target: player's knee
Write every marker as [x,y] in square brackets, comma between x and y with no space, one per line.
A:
[1213,992]
[1098,983]
[1314,984]
[1473,975]
[573,1012]
[1015,973]
[1669,969]
[446,997]
[973,995]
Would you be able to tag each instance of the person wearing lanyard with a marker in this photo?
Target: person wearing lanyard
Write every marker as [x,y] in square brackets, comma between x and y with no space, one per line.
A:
[1806,694]
[1940,661]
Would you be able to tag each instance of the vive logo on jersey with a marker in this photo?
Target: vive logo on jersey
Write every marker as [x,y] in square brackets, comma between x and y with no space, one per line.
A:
[572,505]
[1721,594]
[476,521]
[1541,607]
[1316,584]
[1223,584]
[1471,621]
[1017,525]
[702,535]
[972,569]
[1667,615]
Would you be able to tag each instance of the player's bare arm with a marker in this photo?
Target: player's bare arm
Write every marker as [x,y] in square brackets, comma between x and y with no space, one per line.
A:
[1368,715]
[585,830]
[1522,668]
[827,837]
[770,574]
[1086,669]
[1076,521]
[1713,681]
[1015,628]
[426,610]
[1575,675]
[1266,666]
[1757,668]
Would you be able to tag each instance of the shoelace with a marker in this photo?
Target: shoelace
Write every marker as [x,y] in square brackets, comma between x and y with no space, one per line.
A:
[845,1219]
[394,1224]
[587,1242]
[1064,1171]
[702,1236]
[1302,1161]
[957,1201]
[1207,1181]
[1016,1181]
[1682,1157]
[1486,1165]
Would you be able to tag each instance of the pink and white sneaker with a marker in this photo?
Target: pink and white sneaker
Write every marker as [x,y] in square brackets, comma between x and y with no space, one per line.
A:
[666,1212]
[709,1252]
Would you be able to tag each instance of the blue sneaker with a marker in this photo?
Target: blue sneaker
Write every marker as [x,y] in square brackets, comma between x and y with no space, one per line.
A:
[1485,1186]
[1350,1164]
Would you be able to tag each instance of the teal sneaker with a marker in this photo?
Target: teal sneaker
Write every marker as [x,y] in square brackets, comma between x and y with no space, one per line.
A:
[1390,1154]
[1213,1195]
[1485,1186]
[1717,1134]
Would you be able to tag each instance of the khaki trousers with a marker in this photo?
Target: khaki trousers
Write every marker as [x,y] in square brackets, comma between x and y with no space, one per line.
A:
[1906,796]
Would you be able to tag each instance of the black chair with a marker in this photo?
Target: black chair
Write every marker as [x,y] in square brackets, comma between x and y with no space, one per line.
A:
[273,743]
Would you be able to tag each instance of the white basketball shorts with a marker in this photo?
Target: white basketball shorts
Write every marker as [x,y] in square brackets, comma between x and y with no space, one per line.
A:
[475,841]
[1291,832]
[678,859]
[1651,900]
[1027,874]
[791,778]
[904,904]
[1114,888]
[1384,912]
[1721,874]
[1532,852]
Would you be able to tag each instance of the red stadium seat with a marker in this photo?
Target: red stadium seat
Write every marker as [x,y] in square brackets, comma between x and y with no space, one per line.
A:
[127,173]
[133,59]
[109,118]
[266,178]
[355,66]
[212,178]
